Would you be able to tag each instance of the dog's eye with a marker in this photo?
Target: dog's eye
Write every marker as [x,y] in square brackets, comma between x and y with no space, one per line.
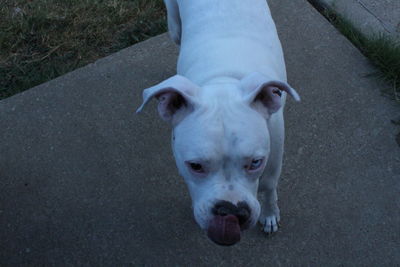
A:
[195,167]
[255,165]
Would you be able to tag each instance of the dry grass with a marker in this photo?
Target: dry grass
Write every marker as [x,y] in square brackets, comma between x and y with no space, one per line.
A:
[42,39]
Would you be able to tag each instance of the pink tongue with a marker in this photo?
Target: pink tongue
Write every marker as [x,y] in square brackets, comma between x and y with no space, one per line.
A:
[224,230]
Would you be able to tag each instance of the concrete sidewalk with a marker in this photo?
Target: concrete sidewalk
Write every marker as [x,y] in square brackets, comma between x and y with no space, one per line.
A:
[86,182]
[371,17]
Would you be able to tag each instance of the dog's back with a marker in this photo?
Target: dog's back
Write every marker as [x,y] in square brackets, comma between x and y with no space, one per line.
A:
[219,38]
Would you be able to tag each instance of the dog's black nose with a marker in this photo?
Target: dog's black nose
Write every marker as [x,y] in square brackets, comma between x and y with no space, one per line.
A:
[241,210]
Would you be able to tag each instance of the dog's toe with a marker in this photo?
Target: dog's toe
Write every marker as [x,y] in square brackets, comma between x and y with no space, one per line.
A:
[270,224]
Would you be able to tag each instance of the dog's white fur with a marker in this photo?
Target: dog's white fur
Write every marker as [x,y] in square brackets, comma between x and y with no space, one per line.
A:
[223,104]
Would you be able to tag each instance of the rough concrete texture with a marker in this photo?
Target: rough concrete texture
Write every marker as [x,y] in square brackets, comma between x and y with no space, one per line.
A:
[85,181]
[370,16]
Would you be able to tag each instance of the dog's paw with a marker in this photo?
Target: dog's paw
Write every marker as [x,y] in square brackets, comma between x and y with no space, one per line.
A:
[270,224]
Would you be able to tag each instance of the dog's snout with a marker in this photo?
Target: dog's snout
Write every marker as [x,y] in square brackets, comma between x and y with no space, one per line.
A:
[224,208]
[241,210]
[243,213]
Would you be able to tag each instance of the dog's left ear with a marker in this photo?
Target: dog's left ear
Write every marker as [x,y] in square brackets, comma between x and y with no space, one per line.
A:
[264,93]
[175,95]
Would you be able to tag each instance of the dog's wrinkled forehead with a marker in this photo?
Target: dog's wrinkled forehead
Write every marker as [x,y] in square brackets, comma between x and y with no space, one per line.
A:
[221,126]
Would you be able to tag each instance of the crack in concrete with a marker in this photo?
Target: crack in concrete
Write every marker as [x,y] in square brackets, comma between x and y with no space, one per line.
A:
[384,24]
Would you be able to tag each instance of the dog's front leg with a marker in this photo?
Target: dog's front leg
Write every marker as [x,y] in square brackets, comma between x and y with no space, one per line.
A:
[270,217]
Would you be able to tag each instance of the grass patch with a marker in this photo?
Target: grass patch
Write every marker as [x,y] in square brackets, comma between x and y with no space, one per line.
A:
[43,39]
[383,52]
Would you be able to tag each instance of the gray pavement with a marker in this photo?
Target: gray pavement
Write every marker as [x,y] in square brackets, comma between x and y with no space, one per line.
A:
[86,182]
[371,17]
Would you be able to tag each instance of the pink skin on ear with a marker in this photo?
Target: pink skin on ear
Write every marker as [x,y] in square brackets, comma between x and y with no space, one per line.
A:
[178,91]
[271,98]
[164,100]
[265,93]
[168,103]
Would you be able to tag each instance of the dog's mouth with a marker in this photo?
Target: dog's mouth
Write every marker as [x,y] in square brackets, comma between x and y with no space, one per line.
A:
[224,230]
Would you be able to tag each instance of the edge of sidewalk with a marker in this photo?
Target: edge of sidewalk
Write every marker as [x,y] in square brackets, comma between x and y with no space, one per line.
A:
[359,15]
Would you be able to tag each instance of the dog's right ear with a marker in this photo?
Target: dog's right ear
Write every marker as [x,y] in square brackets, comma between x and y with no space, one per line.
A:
[176,97]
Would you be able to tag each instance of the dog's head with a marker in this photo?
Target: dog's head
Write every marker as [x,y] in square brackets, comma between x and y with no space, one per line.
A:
[221,145]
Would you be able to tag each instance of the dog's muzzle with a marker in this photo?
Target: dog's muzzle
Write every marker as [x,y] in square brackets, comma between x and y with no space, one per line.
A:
[228,221]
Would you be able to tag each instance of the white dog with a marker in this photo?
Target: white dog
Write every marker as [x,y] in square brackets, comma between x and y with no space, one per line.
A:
[226,109]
